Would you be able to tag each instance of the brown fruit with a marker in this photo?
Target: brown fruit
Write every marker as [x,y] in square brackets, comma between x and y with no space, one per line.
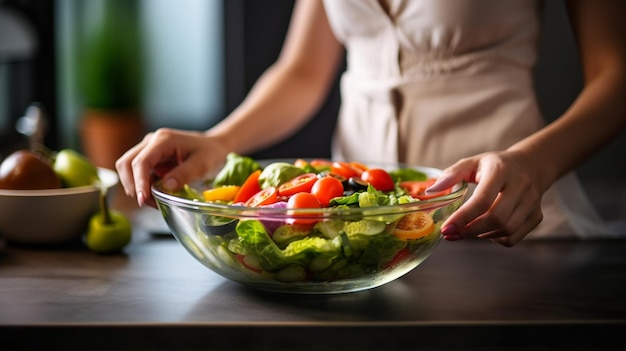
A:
[26,170]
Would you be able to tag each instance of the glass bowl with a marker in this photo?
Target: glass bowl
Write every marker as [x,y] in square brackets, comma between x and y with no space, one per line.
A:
[358,249]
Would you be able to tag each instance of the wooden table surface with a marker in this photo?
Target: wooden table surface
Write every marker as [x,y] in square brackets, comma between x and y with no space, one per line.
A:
[468,295]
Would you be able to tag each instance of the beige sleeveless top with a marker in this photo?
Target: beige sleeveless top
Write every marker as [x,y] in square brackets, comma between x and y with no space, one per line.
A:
[431,81]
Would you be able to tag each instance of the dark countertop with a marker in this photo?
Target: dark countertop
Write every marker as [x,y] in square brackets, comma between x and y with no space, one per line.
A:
[467,295]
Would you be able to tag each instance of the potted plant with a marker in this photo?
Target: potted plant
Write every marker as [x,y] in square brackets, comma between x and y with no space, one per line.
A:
[111,82]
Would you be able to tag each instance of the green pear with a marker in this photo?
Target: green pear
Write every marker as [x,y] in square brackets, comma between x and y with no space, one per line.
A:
[74,169]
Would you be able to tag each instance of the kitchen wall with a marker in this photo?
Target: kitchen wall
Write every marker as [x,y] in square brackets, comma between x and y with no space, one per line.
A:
[26,65]
[183,61]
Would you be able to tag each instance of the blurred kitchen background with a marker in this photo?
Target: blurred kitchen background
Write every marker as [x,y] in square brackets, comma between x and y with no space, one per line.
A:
[194,61]
[188,63]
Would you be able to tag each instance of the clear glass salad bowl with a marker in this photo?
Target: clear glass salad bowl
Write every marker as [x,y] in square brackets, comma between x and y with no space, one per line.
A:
[305,250]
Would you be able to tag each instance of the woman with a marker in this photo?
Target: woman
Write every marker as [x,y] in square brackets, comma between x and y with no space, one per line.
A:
[435,83]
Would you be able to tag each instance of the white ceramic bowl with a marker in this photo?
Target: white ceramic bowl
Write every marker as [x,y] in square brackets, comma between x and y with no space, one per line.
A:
[50,216]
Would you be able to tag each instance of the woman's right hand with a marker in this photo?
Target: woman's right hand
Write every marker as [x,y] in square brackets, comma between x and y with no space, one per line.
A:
[174,156]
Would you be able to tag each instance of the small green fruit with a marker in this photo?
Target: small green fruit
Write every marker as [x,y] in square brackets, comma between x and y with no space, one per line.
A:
[109,230]
[74,169]
[108,237]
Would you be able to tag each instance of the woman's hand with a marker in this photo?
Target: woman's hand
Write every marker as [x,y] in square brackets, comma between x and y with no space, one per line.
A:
[506,203]
[175,156]
[283,100]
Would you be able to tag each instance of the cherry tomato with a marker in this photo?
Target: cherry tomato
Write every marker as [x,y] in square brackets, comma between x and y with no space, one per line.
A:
[414,226]
[303,200]
[327,188]
[299,184]
[249,187]
[264,197]
[378,178]
[344,169]
[417,189]
[321,165]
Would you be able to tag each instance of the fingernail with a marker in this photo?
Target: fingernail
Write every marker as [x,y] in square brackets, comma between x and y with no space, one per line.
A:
[140,198]
[451,233]
[170,184]
[434,187]
[452,237]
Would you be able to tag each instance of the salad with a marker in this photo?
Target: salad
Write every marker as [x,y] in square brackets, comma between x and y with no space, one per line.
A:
[304,236]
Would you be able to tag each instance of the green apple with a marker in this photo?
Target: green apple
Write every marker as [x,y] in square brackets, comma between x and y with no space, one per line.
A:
[109,230]
[74,169]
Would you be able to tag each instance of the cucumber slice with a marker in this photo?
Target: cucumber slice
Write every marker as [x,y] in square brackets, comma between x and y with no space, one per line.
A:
[364,227]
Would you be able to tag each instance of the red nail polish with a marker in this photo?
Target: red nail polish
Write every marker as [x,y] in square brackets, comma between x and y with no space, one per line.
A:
[454,237]
[450,230]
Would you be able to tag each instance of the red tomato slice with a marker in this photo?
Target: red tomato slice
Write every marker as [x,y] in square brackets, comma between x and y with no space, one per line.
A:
[398,258]
[358,166]
[414,226]
[378,178]
[242,260]
[417,189]
[264,197]
[344,169]
[327,188]
[300,184]
[249,187]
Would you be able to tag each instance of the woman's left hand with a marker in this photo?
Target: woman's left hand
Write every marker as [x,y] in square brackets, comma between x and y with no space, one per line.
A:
[506,203]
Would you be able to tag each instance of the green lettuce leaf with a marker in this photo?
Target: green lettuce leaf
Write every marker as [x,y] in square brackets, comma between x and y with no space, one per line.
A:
[236,170]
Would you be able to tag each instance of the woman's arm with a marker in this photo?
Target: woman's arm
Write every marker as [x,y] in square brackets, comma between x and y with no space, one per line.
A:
[599,112]
[506,204]
[291,90]
[281,101]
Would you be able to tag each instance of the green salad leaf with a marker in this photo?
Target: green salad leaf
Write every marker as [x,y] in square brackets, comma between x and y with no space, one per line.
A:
[381,248]
[277,173]
[371,198]
[312,244]
[407,174]
[363,244]
[236,170]
[253,239]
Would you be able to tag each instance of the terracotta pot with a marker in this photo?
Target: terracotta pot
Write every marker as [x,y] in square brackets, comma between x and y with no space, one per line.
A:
[106,135]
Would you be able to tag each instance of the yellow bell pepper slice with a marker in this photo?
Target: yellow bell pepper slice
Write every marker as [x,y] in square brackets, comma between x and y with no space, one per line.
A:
[222,193]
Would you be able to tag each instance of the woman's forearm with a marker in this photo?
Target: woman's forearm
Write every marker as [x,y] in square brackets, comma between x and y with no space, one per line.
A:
[599,112]
[278,105]
[596,117]
[289,93]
